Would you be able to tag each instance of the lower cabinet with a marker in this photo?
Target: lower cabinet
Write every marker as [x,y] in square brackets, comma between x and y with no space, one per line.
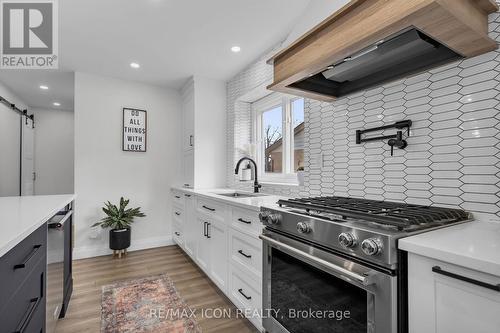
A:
[223,241]
[22,291]
[190,225]
[178,226]
[246,294]
[217,239]
[203,245]
[211,254]
[444,298]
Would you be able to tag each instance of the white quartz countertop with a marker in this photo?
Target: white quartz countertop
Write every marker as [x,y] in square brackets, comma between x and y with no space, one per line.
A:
[253,203]
[474,245]
[20,216]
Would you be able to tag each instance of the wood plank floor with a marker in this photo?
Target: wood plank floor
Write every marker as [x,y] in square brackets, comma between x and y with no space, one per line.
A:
[84,313]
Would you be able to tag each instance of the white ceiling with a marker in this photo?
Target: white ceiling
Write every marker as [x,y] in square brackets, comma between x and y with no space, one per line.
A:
[170,39]
[26,85]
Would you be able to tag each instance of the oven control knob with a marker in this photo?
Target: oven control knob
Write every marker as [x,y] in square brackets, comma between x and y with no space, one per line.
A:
[263,216]
[303,227]
[273,219]
[347,240]
[371,246]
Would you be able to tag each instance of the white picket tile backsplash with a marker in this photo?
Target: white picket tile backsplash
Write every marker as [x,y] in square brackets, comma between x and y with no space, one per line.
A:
[453,157]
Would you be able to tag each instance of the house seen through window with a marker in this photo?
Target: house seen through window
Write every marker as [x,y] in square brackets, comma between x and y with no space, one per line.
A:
[279,134]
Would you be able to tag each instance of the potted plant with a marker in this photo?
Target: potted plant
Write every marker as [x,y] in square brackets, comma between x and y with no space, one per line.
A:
[300,175]
[119,220]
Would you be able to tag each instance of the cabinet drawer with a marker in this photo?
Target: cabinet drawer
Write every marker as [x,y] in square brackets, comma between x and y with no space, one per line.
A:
[17,264]
[24,305]
[178,198]
[177,215]
[211,208]
[246,251]
[246,221]
[178,234]
[244,292]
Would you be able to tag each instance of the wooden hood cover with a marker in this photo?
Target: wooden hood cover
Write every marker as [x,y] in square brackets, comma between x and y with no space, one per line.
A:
[459,25]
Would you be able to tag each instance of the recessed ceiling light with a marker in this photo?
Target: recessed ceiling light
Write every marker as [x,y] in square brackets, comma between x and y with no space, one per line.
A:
[57,104]
[236,49]
[135,65]
[44,87]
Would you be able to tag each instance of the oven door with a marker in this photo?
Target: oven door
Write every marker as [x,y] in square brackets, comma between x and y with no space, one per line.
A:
[307,289]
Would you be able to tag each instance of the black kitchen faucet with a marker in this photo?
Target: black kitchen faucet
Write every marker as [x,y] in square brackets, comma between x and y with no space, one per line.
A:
[256,184]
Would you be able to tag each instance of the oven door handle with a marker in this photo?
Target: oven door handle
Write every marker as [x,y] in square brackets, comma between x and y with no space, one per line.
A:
[364,280]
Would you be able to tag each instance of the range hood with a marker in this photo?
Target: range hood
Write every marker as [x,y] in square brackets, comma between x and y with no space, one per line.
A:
[371,42]
[408,52]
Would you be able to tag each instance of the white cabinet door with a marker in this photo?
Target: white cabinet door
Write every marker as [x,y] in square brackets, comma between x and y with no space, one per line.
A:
[217,234]
[188,117]
[440,303]
[188,180]
[202,245]
[464,308]
[191,230]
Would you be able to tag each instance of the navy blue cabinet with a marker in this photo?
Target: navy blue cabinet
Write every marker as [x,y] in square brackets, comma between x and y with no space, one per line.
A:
[23,285]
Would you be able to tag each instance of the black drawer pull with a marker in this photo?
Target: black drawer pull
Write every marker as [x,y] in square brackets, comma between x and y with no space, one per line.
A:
[177,213]
[177,234]
[32,253]
[27,315]
[241,292]
[438,270]
[244,254]
[177,197]
[187,195]
[244,221]
[208,208]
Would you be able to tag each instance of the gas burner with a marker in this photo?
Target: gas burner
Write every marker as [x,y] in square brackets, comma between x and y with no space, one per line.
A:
[382,214]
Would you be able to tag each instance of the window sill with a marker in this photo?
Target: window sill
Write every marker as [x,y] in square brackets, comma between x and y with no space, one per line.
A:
[275,183]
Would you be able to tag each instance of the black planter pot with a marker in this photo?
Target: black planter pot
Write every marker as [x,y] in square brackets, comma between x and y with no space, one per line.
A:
[119,239]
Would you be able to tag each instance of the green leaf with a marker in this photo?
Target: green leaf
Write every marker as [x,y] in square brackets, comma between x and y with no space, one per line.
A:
[118,216]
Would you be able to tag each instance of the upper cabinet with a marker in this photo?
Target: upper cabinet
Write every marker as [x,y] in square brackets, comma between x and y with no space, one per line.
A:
[204,133]
[369,42]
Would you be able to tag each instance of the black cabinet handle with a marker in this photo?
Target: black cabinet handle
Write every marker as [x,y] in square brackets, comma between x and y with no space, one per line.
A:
[438,270]
[187,195]
[191,140]
[178,197]
[208,208]
[27,315]
[244,221]
[177,213]
[32,253]
[241,292]
[205,229]
[208,225]
[177,234]
[244,254]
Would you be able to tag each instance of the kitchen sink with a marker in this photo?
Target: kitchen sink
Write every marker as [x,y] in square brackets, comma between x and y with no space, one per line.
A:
[237,195]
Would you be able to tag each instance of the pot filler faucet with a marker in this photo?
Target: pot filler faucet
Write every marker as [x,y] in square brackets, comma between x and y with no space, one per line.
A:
[256,184]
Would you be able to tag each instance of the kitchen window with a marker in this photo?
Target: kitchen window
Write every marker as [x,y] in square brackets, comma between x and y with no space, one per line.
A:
[279,137]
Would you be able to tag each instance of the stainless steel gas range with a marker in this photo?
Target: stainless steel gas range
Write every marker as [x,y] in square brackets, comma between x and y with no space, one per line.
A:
[331,264]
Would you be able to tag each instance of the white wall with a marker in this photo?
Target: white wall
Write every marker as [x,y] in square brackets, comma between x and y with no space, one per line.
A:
[54,151]
[104,172]
[10,141]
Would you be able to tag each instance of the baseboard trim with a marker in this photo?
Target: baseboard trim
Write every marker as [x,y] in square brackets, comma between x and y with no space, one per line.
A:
[139,244]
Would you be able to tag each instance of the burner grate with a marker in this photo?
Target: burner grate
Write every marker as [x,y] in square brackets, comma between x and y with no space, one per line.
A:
[399,215]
